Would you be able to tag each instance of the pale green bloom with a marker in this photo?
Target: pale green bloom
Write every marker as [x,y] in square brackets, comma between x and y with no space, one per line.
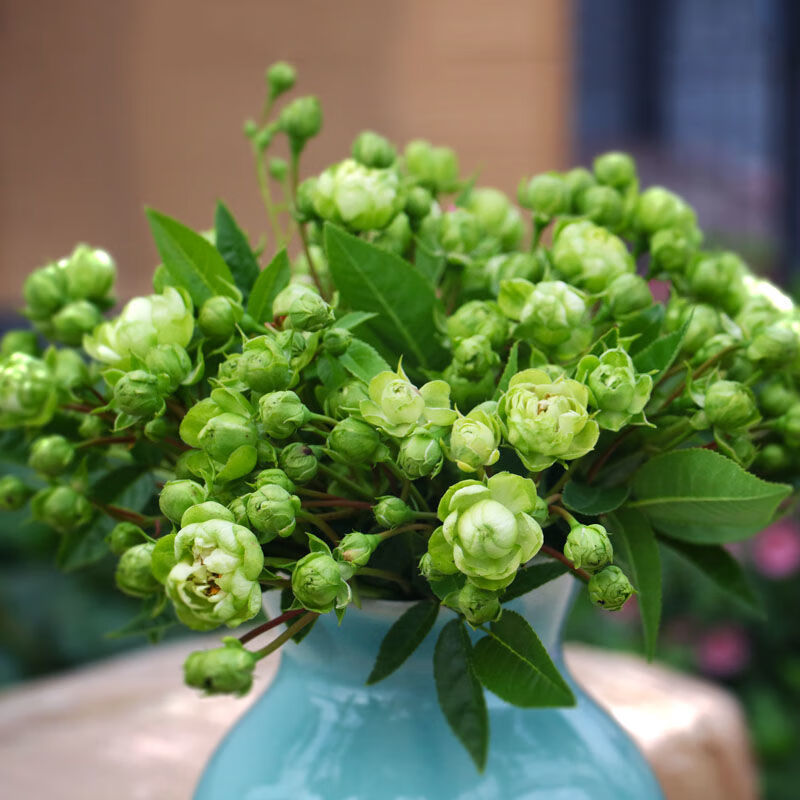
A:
[28,393]
[474,439]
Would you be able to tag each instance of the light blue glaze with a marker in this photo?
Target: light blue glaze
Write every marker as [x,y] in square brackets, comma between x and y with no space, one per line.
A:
[319,733]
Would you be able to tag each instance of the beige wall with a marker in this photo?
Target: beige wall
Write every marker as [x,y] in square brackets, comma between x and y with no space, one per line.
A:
[111,104]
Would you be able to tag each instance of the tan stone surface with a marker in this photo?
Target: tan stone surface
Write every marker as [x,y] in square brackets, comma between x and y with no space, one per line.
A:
[128,729]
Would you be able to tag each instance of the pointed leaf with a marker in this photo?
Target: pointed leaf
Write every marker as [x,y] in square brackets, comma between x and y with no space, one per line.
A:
[274,277]
[460,694]
[659,355]
[363,361]
[235,250]
[511,369]
[593,500]
[532,578]
[513,663]
[353,319]
[403,638]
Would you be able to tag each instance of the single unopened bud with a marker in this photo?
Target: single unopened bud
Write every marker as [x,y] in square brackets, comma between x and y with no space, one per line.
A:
[13,493]
[577,181]
[346,398]
[420,455]
[223,670]
[282,413]
[318,585]
[773,459]
[436,168]
[281,77]
[603,205]
[90,273]
[615,169]
[62,508]
[610,588]
[336,341]
[717,278]
[474,357]
[627,294]
[45,291]
[138,394]
[356,548]
[298,461]
[477,605]
[218,317]
[123,536]
[272,512]
[74,320]
[503,267]
[19,342]
[134,575]
[355,441]
[419,202]
[206,511]
[91,427]
[588,547]
[170,361]
[479,317]
[27,393]
[546,194]
[264,366]
[274,476]
[392,511]
[156,430]
[730,405]
[301,119]
[658,208]
[278,169]
[776,397]
[373,150]
[178,496]
[309,312]
[226,432]
[51,455]
[670,250]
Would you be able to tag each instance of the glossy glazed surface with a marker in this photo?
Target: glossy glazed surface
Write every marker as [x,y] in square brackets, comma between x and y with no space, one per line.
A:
[318,733]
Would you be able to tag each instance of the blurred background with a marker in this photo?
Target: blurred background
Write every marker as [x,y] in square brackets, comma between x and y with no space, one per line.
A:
[111,106]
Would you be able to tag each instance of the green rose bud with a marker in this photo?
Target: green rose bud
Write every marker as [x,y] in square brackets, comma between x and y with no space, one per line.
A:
[546,194]
[473,357]
[13,493]
[336,341]
[304,202]
[479,318]
[718,280]
[264,365]
[203,512]
[272,512]
[345,399]
[776,397]
[438,562]
[603,205]
[139,394]
[298,461]
[134,575]
[477,605]
[589,547]
[238,507]
[436,168]
[266,454]
[222,670]
[318,585]
[658,208]
[226,432]
[615,169]
[357,548]
[789,426]
[776,344]
[589,256]
[396,236]
[91,427]
[615,388]
[123,536]
[609,588]
[458,231]
[19,342]
[773,459]
[577,181]
[420,455]
[628,294]
[547,419]
[373,150]
[496,215]
[301,120]
[215,578]
[69,369]
[704,322]
[284,299]
[280,78]
[670,251]
[278,169]
[178,496]
[282,413]
[530,266]
[396,406]
[390,512]
[474,440]
[156,430]
[27,392]
[309,312]
[62,508]
[51,455]
[490,528]
[730,405]
[74,320]
[276,477]
[354,441]
[218,317]
[171,362]
[45,291]
[419,202]
[90,273]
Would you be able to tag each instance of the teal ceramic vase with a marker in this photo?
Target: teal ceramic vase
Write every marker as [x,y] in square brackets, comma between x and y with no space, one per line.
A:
[319,733]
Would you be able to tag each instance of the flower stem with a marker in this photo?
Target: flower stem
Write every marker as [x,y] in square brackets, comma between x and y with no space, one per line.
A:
[270,624]
[321,524]
[307,618]
[102,440]
[553,553]
[412,526]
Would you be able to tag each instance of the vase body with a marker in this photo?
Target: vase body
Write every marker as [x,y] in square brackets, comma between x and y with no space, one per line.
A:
[318,733]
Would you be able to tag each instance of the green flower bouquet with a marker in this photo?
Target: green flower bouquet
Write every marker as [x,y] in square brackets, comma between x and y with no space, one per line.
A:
[443,398]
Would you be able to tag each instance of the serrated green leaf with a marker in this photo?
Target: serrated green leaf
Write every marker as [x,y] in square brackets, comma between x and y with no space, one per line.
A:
[645,326]
[371,279]
[722,569]
[459,691]
[511,369]
[635,541]
[532,578]
[593,500]
[703,497]
[353,319]
[445,586]
[660,354]
[403,638]
[235,250]
[81,548]
[513,664]
[271,280]
[192,261]
[363,361]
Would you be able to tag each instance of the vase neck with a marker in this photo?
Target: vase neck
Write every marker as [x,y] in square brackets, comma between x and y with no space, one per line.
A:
[348,651]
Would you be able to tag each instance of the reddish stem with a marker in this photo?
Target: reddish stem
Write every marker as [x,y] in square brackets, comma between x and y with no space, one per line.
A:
[558,556]
[270,624]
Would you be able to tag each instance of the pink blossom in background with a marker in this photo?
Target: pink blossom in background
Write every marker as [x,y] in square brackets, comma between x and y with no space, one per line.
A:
[723,652]
[776,550]
[660,290]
